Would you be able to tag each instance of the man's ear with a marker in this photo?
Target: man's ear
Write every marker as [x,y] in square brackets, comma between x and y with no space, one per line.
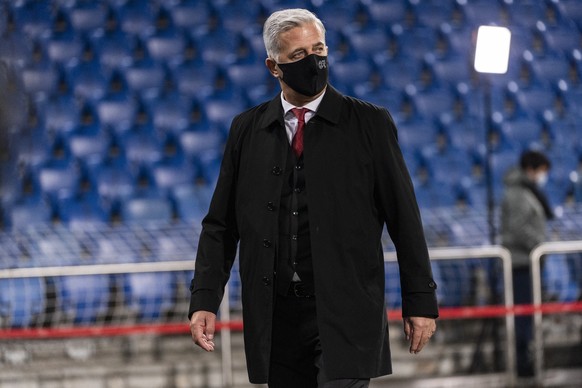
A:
[273,68]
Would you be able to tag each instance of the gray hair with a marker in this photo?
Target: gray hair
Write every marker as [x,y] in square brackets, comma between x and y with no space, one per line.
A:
[282,21]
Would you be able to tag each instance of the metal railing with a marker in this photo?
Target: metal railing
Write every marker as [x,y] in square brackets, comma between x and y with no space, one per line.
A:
[535,260]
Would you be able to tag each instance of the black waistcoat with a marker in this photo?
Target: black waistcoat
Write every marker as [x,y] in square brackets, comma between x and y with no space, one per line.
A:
[294,253]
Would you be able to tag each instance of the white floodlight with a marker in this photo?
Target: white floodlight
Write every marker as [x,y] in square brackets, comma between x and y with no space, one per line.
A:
[492,50]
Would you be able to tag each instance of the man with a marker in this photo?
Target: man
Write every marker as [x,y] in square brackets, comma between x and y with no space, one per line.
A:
[524,211]
[309,210]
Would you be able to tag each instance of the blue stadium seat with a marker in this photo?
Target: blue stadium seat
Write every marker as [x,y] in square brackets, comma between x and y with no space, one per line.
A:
[368,43]
[117,112]
[65,51]
[522,132]
[563,39]
[170,113]
[220,111]
[432,14]
[551,69]
[83,213]
[143,210]
[142,147]
[59,182]
[61,114]
[558,283]
[482,12]
[535,100]
[88,18]
[190,15]
[218,48]
[337,14]
[168,176]
[22,300]
[114,50]
[386,13]
[137,18]
[351,73]
[452,70]
[197,143]
[190,204]
[246,76]
[526,13]
[571,9]
[414,46]
[114,184]
[91,149]
[431,103]
[195,81]
[166,48]
[27,214]
[239,17]
[150,295]
[145,80]
[83,299]
[34,18]
[400,72]
[40,80]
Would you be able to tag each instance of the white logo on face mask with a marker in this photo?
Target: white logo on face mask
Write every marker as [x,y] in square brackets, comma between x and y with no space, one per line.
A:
[322,64]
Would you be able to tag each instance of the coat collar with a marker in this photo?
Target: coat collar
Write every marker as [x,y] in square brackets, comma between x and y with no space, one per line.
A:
[328,109]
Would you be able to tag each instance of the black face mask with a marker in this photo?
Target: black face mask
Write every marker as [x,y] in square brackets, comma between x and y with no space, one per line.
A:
[307,76]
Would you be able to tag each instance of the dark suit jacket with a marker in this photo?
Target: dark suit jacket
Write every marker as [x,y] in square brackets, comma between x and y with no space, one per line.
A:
[356,181]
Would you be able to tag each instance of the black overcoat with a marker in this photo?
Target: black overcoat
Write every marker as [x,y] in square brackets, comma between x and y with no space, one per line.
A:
[356,182]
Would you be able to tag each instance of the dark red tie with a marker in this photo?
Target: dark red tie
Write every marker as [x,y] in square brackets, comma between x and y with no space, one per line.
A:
[297,142]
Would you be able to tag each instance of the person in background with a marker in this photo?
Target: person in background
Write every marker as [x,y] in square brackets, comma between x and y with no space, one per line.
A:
[524,212]
[307,182]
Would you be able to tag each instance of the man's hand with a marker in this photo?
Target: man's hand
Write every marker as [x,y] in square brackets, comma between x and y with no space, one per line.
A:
[202,329]
[418,331]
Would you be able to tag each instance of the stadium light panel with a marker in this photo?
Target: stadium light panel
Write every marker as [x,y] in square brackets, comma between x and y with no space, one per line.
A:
[492,50]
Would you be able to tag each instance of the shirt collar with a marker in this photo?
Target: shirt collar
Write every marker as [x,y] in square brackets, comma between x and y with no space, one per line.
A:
[312,106]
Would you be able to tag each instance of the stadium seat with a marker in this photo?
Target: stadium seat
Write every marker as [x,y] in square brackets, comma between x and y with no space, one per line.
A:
[27,214]
[220,112]
[34,18]
[557,280]
[384,13]
[400,72]
[143,210]
[535,100]
[61,114]
[91,149]
[59,182]
[137,18]
[83,300]
[197,143]
[195,80]
[190,204]
[432,14]
[190,15]
[88,18]
[22,300]
[431,103]
[337,14]
[40,80]
[170,175]
[551,69]
[117,112]
[482,12]
[526,14]
[170,113]
[246,76]
[368,43]
[114,184]
[351,73]
[166,48]
[522,132]
[414,46]
[145,80]
[150,295]
[238,17]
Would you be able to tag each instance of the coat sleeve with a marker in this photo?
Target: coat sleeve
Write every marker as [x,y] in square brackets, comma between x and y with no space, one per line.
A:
[219,237]
[397,204]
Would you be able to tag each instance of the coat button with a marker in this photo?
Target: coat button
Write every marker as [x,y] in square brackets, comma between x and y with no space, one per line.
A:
[266,243]
[297,190]
[270,206]
[299,167]
[295,214]
[266,281]
[276,170]
[432,285]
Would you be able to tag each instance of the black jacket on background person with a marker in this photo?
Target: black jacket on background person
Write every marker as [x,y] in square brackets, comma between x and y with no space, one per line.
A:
[357,181]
